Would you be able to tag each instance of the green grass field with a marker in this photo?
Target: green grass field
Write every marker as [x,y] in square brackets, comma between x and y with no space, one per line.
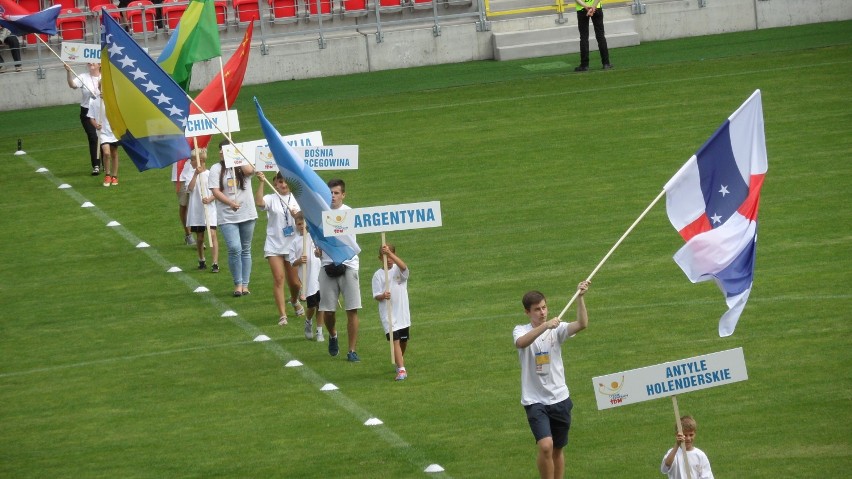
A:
[114,368]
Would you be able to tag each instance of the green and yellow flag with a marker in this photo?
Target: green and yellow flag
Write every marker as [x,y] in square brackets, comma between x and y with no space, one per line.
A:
[195,39]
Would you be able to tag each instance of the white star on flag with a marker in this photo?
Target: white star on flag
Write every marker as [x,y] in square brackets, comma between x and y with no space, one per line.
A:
[724,190]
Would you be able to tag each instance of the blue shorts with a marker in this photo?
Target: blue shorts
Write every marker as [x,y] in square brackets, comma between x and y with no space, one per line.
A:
[551,421]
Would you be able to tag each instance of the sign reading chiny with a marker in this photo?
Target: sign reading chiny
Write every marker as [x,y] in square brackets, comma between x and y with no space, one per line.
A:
[669,379]
[382,218]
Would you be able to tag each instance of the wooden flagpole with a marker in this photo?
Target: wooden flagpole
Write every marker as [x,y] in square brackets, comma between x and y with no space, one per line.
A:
[680,431]
[617,243]
[201,185]
[389,307]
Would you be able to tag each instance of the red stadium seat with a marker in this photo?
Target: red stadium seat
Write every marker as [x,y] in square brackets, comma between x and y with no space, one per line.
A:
[285,11]
[221,8]
[172,11]
[323,6]
[111,9]
[65,3]
[247,10]
[31,39]
[71,24]
[95,5]
[390,6]
[354,8]
[31,6]
[141,16]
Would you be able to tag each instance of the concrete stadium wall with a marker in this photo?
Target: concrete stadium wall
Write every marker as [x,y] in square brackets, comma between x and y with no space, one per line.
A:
[664,20]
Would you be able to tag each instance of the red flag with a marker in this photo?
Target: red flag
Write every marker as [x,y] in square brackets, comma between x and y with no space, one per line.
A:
[211,98]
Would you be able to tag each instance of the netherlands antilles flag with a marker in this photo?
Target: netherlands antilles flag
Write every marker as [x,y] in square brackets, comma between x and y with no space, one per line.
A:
[310,191]
[19,21]
[195,39]
[145,107]
[712,202]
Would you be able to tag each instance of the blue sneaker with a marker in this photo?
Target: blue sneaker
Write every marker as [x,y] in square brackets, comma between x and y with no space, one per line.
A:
[352,357]
[332,346]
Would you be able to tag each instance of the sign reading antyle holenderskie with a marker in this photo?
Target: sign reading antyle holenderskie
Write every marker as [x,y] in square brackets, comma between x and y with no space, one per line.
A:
[669,379]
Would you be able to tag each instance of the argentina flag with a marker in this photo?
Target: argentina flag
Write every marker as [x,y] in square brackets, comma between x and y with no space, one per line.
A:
[712,202]
[310,191]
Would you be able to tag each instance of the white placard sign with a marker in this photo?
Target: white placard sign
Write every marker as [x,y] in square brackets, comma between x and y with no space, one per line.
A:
[382,218]
[80,52]
[199,124]
[340,157]
[232,158]
[669,379]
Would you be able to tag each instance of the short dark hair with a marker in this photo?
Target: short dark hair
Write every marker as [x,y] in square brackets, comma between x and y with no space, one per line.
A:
[531,298]
[337,182]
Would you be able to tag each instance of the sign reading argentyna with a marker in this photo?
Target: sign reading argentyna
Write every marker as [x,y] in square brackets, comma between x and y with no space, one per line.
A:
[382,218]
[669,379]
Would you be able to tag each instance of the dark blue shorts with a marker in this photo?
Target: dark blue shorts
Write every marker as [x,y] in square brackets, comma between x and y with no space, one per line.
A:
[551,421]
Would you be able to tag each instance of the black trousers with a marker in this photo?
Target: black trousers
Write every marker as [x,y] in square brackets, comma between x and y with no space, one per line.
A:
[15,48]
[583,27]
[91,134]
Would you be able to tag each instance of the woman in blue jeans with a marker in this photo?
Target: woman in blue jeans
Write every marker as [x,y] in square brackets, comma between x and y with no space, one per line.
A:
[236,215]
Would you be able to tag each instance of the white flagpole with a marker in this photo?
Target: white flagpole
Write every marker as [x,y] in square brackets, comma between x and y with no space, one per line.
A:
[617,243]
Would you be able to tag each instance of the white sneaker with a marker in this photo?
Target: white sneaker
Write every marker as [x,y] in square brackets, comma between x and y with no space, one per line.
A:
[309,328]
[320,338]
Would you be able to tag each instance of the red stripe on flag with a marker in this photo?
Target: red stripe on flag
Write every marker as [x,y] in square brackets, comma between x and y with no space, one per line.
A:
[749,207]
[700,225]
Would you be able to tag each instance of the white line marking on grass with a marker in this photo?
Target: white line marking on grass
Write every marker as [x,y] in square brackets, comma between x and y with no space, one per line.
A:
[414,457]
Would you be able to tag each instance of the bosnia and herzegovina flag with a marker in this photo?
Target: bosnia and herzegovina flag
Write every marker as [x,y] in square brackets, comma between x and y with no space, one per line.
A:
[310,191]
[712,202]
[195,39]
[145,107]
[19,21]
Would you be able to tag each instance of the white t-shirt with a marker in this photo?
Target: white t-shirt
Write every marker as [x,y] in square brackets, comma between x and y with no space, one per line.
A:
[698,464]
[313,267]
[281,227]
[97,112]
[353,262]
[195,208]
[244,197]
[399,297]
[542,372]
[87,85]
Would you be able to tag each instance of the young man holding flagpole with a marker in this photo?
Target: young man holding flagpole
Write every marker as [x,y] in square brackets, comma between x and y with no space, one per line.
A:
[544,393]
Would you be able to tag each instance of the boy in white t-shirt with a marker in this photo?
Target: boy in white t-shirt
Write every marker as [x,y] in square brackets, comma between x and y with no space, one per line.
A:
[393,291]
[673,464]
[201,209]
[106,138]
[544,393]
[299,256]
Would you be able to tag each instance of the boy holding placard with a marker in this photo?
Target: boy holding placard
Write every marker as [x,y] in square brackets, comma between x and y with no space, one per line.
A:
[544,393]
[308,265]
[390,289]
[673,463]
